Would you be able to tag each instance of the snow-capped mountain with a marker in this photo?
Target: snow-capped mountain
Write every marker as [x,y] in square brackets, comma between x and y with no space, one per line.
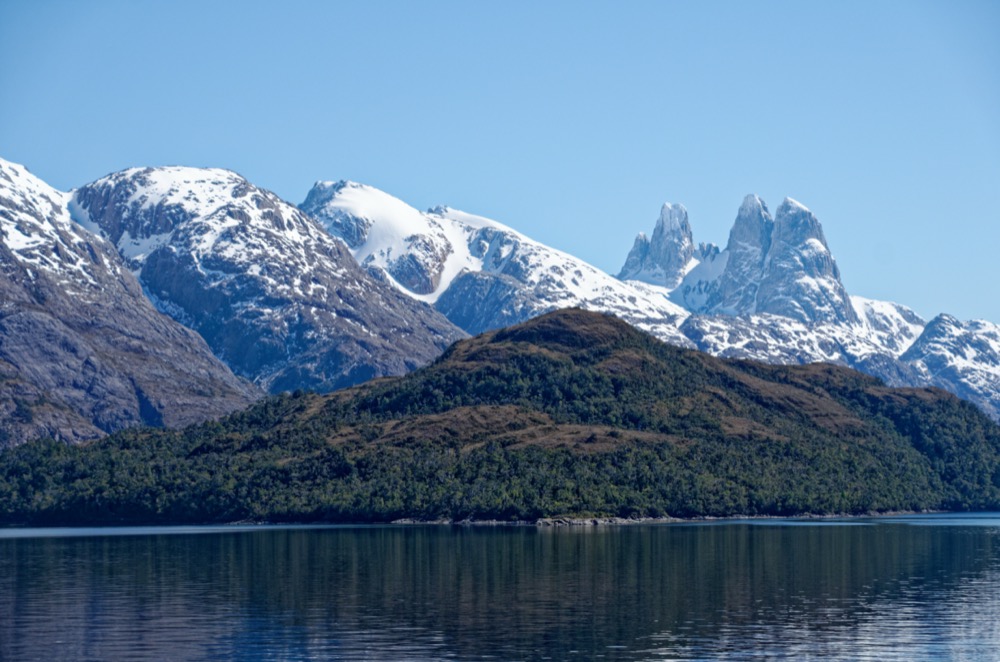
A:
[480,273]
[356,283]
[82,351]
[774,294]
[275,296]
[961,357]
[780,266]
[888,325]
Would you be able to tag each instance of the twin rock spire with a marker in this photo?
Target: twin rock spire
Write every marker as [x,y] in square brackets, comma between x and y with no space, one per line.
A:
[780,265]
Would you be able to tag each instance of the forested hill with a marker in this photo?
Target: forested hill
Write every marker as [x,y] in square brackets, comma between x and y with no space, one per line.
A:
[570,414]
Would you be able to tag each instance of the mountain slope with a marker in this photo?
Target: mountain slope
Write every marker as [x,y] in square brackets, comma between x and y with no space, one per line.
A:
[82,352]
[480,273]
[960,357]
[572,413]
[275,296]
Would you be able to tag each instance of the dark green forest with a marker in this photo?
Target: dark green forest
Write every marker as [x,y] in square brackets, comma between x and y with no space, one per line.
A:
[573,414]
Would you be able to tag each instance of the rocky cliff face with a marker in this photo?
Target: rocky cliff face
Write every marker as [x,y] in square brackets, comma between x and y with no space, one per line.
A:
[276,297]
[82,352]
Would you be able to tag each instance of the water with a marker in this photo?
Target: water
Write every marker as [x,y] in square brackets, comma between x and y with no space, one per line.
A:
[907,588]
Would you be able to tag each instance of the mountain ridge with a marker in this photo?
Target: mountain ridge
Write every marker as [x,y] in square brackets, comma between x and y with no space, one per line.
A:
[274,295]
[82,351]
[485,274]
[284,302]
[774,293]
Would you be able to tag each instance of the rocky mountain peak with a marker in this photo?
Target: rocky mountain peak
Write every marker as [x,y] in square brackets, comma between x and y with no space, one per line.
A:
[157,200]
[674,219]
[781,266]
[663,258]
[752,204]
[752,229]
[82,351]
[275,295]
[746,253]
[384,232]
[326,202]
[800,277]
[795,225]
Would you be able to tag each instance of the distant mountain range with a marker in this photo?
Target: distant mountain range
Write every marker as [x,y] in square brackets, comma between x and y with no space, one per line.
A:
[773,294]
[255,295]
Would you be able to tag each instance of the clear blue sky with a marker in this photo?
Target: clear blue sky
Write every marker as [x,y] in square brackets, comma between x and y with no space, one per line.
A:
[572,122]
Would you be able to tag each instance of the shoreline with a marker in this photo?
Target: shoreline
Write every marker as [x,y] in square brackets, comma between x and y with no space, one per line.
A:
[556,522]
[540,523]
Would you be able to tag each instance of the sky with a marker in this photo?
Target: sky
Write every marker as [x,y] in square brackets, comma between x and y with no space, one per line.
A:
[572,122]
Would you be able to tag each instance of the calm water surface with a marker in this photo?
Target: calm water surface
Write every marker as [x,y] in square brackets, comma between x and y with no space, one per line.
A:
[907,588]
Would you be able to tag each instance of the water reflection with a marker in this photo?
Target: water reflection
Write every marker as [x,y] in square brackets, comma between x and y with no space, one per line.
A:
[887,590]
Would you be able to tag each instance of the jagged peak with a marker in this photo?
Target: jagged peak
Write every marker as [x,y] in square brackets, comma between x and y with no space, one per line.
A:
[796,219]
[673,216]
[753,204]
[789,205]
[752,227]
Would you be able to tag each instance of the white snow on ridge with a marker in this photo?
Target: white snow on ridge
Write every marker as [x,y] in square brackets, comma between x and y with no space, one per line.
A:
[391,219]
[447,242]
[214,214]
[199,189]
[961,357]
[889,325]
[443,241]
[39,231]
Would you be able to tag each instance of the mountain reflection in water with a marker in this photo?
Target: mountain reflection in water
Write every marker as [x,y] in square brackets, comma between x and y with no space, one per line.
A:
[923,587]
